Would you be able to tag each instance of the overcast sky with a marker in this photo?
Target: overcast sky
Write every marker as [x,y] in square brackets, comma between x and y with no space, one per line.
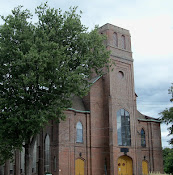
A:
[151,26]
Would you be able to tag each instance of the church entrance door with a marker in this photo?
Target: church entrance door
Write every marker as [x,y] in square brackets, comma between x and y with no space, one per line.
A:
[144,167]
[125,165]
[79,167]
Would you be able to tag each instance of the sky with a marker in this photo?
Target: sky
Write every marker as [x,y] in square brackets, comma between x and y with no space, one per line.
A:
[150,23]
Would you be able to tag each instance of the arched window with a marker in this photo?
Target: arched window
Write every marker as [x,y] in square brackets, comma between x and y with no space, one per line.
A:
[22,161]
[34,160]
[2,169]
[123,42]
[143,141]
[123,128]
[79,132]
[47,154]
[115,39]
[11,167]
[54,163]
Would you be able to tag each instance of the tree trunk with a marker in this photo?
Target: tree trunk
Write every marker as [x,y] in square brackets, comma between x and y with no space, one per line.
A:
[28,161]
[29,155]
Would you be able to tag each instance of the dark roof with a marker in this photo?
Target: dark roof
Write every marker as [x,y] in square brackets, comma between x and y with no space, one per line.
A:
[77,102]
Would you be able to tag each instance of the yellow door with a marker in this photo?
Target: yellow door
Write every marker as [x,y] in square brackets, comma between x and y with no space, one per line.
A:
[144,167]
[79,167]
[125,166]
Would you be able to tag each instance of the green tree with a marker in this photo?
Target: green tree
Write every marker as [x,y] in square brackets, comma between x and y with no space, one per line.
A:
[167,115]
[168,160]
[41,66]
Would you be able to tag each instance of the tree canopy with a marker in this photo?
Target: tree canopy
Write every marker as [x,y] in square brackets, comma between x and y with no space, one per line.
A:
[41,66]
[168,160]
[167,115]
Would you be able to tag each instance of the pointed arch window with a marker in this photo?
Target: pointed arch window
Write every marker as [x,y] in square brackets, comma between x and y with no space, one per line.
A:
[11,167]
[2,169]
[123,128]
[34,160]
[115,39]
[54,163]
[143,141]
[123,42]
[47,154]
[22,161]
[79,132]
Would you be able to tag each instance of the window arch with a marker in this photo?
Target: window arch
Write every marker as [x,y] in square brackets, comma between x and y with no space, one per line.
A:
[143,141]
[123,128]
[47,153]
[79,132]
[115,39]
[123,42]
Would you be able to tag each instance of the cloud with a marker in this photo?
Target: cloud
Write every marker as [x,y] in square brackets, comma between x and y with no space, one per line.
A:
[165,136]
[151,26]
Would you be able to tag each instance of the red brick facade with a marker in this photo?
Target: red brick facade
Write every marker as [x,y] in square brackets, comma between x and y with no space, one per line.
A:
[97,113]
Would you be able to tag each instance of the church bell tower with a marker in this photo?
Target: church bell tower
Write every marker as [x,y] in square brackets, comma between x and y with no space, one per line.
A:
[120,94]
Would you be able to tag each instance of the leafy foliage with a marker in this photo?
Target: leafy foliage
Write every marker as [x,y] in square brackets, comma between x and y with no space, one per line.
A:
[167,115]
[170,90]
[41,66]
[168,160]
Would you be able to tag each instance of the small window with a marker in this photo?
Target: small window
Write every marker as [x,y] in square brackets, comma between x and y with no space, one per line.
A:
[79,132]
[115,39]
[123,42]
[143,141]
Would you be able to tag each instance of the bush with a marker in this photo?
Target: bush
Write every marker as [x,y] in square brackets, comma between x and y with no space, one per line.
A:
[157,173]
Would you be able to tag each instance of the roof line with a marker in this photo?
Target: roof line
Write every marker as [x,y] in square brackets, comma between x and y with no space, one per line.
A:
[97,79]
[75,110]
[149,120]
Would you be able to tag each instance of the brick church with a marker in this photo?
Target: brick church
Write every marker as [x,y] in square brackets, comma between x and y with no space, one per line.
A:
[104,133]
